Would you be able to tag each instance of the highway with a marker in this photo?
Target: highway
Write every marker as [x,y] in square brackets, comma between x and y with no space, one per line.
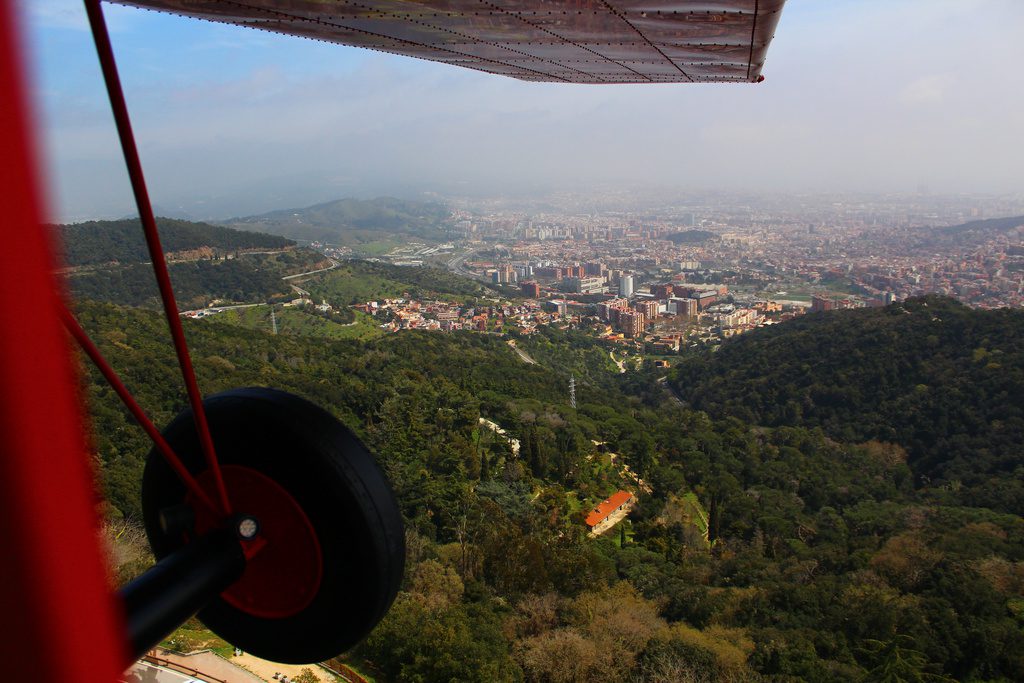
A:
[457,264]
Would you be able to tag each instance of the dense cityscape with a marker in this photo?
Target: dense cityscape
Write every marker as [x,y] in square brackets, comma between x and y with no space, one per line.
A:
[658,279]
[562,386]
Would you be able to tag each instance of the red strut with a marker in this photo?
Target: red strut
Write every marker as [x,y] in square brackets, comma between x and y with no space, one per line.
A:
[156,254]
[135,409]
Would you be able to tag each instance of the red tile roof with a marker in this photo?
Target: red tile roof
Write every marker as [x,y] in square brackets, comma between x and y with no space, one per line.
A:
[609,506]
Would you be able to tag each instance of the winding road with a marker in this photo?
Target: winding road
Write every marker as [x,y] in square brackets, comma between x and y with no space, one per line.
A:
[522,354]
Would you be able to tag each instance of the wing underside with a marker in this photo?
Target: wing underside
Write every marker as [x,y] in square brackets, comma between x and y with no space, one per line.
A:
[574,41]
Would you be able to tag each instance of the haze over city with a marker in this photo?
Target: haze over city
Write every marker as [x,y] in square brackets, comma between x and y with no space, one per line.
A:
[860,96]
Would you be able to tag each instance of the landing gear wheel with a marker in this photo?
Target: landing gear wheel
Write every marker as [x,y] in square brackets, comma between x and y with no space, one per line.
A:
[314,513]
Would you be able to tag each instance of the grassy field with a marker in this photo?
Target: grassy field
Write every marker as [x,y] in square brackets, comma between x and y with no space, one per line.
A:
[358,281]
[343,286]
[192,637]
[295,322]
[791,296]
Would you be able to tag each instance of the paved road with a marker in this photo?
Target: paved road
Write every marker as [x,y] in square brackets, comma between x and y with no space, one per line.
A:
[220,309]
[334,264]
[299,290]
[522,354]
[456,265]
[620,363]
[663,381]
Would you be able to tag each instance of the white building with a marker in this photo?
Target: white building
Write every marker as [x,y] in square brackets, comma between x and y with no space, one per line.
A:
[626,286]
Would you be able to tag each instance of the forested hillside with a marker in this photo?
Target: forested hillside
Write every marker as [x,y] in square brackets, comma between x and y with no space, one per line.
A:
[944,382]
[101,242]
[108,261]
[821,561]
[249,278]
[352,222]
[691,237]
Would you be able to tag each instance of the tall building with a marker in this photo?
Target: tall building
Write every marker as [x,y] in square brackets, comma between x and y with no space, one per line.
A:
[626,286]
[684,307]
[662,291]
[531,289]
[649,307]
[706,298]
[504,274]
[585,285]
[609,310]
[821,303]
[685,291]
[632,323]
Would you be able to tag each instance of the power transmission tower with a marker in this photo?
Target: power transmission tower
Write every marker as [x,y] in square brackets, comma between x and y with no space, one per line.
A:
[273,318]
[572,391]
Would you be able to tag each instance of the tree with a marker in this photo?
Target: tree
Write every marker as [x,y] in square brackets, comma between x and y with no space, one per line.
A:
[306,676]
[894,661]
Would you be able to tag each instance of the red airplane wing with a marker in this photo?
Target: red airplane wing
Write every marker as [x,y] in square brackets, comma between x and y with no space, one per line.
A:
[564,41]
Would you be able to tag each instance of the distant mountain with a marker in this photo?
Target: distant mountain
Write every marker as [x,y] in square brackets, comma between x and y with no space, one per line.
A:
[351,221]
[692,237]
[988,225]
[942,381]
[98,242]
[970,234]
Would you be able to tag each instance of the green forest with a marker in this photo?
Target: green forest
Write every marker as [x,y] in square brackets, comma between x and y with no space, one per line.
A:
[823,556]
[247,278]
[104,242]
[943,382]
[108,261]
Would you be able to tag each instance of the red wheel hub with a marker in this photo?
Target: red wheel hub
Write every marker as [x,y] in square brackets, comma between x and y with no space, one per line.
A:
[285,563]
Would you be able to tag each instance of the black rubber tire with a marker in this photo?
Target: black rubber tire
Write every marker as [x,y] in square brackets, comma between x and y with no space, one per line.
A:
[339,486]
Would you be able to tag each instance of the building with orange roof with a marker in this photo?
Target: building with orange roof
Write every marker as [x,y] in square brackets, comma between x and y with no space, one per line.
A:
[606,515]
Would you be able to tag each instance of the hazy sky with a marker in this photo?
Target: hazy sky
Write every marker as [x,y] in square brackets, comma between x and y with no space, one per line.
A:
[860,95]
